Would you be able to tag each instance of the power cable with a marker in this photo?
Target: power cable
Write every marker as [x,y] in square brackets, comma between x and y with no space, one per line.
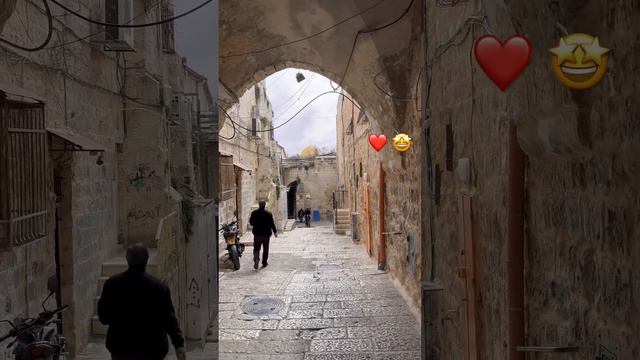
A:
[360,32]
[47,39]
[278,78]
[155,23]
[304,38]
[308,84]
[100,32]
[299,111]
[295,93]
[232,124]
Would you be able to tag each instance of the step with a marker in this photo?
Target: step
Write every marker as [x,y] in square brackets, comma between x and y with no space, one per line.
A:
[118,265]
[341,232]
[343,211]
[97,328]
[343,218]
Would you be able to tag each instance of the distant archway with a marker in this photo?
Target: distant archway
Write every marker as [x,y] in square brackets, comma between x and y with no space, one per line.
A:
[291,199]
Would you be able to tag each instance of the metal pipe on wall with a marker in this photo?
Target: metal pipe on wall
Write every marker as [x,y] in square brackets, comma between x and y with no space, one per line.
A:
[382,253]
[515,247]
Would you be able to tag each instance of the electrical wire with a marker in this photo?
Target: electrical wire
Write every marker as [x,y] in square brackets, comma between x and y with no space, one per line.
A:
[155,23]
[46,40]
[100,32]
[232,124]
[305,85]
[296,114]
[306,37]
[360,32]
[308,84]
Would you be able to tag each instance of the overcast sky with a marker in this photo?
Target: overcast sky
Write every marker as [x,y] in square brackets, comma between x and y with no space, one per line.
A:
[316,124]
[202,55]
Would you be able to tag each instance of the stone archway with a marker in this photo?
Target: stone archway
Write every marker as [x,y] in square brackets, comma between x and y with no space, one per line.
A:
[291,200]
[250,51]
[382,75]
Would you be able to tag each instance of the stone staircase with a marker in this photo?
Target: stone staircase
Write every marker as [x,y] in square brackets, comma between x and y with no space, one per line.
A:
[289,224]
[112,267]
[343,222]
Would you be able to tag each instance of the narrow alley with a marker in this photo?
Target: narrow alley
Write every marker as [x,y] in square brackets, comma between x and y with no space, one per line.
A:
[321,297]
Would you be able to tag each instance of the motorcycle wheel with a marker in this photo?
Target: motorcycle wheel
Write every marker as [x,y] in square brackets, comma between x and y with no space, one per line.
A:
[235,258]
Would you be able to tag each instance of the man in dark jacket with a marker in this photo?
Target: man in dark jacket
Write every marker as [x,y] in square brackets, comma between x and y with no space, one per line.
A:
[139,311]
[262,222]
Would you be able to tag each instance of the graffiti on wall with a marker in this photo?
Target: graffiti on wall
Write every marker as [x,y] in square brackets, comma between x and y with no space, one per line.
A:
[136,213]
[141,177]
[194,294]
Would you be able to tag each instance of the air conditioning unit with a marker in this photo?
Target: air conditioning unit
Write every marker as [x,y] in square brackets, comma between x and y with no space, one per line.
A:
[114,38]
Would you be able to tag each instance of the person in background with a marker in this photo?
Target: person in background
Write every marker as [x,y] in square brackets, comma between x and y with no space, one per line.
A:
[139,311]
[307,217]
[301,215]
[262,222]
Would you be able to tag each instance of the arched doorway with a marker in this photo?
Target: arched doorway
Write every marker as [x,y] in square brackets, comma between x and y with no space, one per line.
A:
[292,190]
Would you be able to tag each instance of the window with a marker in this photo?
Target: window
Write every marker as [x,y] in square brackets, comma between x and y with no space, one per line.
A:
[227,178]
[257,94]
[23,173]
[168,33]
[254,127]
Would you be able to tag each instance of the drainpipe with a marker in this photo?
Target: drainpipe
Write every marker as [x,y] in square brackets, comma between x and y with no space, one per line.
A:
[515,248]
[382,253]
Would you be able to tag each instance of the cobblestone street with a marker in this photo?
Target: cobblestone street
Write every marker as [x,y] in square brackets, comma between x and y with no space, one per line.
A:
[320,298]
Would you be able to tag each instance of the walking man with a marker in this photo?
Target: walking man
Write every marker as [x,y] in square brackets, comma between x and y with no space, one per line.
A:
[262,222]
[139,311]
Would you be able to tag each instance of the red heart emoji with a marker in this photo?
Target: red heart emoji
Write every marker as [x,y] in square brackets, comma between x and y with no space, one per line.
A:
[377,141]
[503,62]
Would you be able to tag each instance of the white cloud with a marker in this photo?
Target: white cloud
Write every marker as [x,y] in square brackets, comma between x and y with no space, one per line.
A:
[316,124]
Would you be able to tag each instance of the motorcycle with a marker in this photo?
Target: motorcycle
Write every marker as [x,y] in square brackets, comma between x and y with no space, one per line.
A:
[235,248]
[35,339]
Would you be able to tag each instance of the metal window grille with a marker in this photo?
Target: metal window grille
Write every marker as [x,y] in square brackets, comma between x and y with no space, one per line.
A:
[23,173]
[227,178]
[168,31]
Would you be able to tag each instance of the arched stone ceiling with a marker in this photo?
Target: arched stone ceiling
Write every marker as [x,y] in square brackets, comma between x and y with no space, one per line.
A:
[251,25]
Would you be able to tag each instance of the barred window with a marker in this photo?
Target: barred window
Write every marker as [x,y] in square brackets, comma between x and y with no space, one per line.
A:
[227,178]
[168,32]
[23,173]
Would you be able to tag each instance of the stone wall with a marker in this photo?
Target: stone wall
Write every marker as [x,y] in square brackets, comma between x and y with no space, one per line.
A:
[580,219]
[360,173]
[318,180]
[104,205]
[81,94]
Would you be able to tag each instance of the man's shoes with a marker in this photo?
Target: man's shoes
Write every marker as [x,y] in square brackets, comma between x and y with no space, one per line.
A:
[255,264]
[263,265]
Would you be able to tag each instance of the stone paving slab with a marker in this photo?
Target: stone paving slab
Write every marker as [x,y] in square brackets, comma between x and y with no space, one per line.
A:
[341,307]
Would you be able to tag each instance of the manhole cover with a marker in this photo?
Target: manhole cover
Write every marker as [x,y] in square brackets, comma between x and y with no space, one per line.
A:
[329,267]
[263,306]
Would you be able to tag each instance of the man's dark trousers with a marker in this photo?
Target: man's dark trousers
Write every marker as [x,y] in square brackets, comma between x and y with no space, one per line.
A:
[258,242]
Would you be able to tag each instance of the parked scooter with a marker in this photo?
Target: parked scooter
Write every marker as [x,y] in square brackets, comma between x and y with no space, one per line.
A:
[35,339]
[235,248]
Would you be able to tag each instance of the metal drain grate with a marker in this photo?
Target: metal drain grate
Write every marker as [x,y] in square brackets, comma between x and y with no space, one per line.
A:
[263,306]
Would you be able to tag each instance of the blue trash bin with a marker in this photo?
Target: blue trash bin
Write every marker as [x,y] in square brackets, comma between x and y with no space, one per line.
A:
[316,215]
